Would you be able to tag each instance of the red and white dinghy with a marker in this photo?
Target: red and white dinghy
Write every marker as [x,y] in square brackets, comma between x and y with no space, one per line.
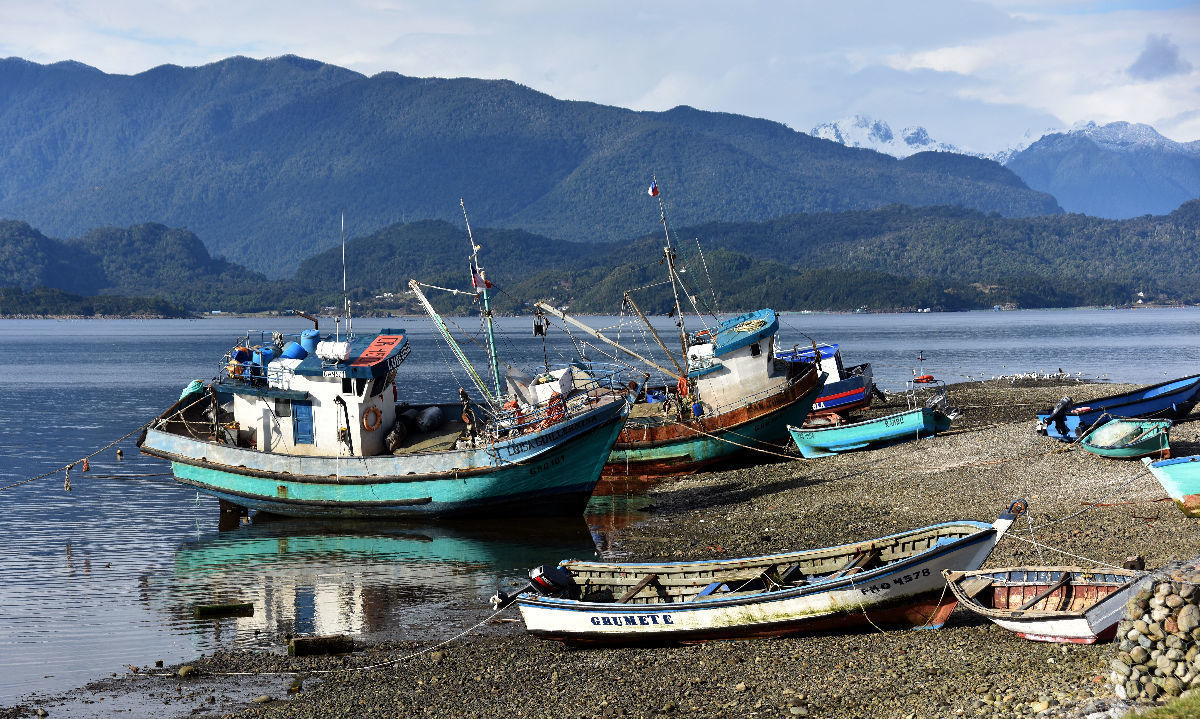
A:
[890,581]
[1049,604]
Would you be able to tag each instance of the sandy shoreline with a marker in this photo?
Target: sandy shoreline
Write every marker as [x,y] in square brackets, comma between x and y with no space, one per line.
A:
[968,668]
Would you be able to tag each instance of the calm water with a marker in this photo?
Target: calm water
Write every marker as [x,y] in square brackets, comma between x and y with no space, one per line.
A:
[106,575]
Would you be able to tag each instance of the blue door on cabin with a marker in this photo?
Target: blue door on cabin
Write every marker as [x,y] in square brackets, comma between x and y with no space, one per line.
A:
[302,422]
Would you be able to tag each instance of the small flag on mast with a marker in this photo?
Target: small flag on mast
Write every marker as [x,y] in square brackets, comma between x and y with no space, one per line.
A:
[478,281]
[653,191]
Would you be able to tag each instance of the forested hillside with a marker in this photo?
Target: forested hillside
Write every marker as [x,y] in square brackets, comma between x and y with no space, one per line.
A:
[259,158]
[891,258]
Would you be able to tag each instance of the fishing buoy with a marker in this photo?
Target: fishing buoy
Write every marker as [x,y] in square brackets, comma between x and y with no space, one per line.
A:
[86,466]
[120,453]
[924,379]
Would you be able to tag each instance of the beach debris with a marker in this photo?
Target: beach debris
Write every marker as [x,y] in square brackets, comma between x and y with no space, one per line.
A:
[187,670]
[311,646]
[233,609]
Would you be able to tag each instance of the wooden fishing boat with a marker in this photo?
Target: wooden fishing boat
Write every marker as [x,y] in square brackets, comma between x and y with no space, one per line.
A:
[892,581]
[900,427]
[847,390]
[321,431]
[728,393]
[312,437]
[1048,604]
[1180,478]
[1166,400]
[1130,439]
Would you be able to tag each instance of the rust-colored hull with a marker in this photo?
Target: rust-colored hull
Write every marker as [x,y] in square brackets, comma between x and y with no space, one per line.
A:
[652,447]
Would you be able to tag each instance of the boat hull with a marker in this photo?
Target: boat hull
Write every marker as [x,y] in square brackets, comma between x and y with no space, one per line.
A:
[846,395]
[1167,400]
[552,471]
[1180,478]
[655,448]
[1084,609]
[907,593]
[900,427]
[1130,439]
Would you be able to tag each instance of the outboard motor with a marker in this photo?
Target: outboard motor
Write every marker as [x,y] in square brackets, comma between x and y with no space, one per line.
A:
[551,581]
[1057,416]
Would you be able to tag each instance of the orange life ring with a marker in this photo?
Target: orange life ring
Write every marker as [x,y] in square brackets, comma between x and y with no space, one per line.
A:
[924,379]
[367,422]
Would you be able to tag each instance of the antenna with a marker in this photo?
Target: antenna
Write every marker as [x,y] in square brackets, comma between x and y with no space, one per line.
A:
[345,294]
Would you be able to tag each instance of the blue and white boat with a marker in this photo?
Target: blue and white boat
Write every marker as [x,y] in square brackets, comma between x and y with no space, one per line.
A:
[1166,400]
[848,388]
[1180,478]
[900,427]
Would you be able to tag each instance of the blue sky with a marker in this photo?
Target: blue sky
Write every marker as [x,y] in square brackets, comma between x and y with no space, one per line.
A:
[982,75]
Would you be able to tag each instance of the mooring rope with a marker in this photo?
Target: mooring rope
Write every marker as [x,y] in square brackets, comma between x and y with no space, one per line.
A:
[377,665]
[67,467]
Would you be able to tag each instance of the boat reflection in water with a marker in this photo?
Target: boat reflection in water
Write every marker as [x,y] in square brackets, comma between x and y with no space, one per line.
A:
[366,579]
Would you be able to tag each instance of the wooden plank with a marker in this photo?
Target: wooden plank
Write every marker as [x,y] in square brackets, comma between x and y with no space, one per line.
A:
[973,586]
[857,562]
[1066,577]
[645,582]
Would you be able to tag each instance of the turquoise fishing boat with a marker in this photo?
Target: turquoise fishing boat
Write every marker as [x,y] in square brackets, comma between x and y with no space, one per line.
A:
[322,431]
[1130,439]
[324,436]
[1180,478]
[899,427]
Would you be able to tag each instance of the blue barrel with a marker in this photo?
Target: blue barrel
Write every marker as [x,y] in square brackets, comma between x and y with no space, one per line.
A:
[309,340]
[264,355]
[240,354]
[293,350]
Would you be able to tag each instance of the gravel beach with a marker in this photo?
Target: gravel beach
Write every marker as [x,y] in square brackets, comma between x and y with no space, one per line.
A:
[1100,510]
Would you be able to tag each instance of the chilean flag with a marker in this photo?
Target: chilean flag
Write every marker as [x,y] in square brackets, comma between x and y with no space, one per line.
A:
[478,281]
[653,191]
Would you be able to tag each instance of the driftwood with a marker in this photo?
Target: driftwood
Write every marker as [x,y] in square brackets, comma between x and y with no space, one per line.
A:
[310,646]
[216,611]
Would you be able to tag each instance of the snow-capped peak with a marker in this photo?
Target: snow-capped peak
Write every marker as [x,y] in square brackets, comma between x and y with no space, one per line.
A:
[864,131]
[1131,137]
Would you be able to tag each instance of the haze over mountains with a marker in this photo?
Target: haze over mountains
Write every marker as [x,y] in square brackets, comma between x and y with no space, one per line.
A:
[1114,171]
[259,157]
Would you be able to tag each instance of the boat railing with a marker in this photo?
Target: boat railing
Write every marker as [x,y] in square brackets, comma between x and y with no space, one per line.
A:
[591,381]
[247,368]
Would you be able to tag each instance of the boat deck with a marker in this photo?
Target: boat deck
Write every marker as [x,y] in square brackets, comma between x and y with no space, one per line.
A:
[436,441]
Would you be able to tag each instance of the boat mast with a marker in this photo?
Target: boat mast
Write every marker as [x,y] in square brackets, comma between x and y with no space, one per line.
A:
[669,254]
[458,353]
[596,333]
[654,333]
[345,294]
[476,270]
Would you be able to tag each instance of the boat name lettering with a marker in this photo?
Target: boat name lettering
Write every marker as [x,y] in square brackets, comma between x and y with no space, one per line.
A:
[548,464]
[893,421]
[517,448]
[902,579]
[632,620]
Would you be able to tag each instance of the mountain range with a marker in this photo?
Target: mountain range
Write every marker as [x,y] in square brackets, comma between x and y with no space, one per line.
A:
[261,158]
[1117,170]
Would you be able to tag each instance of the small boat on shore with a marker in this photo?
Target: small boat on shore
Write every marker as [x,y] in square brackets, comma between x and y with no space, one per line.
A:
[893,581]
[1166,400]
[1180,478]
[1048,604]
[848,389]
[1130,439]
[900,427]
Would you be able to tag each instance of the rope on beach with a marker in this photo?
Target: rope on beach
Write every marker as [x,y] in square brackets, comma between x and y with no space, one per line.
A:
[1064,552]
[389,662]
